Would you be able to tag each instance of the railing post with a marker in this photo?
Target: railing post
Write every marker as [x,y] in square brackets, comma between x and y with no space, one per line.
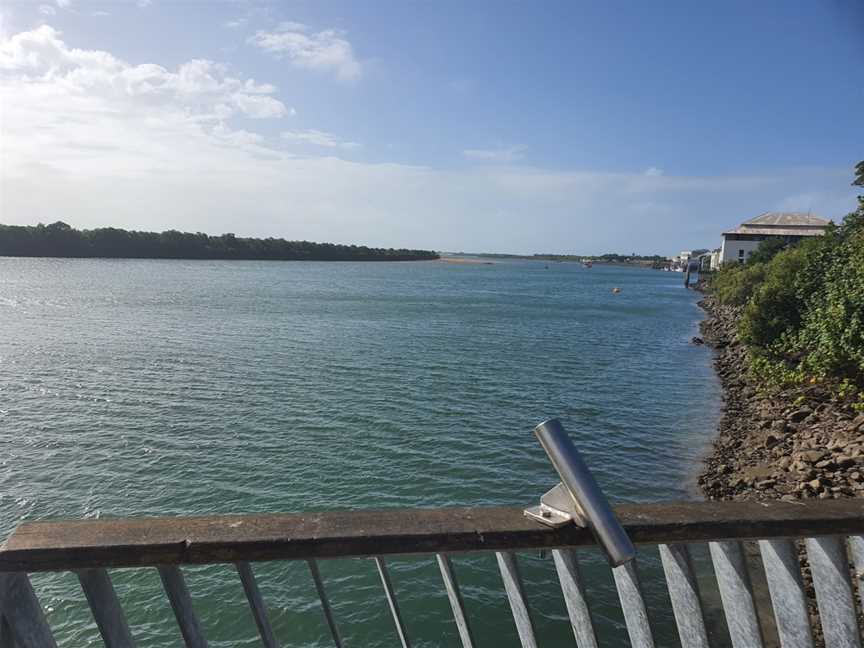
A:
[633,605]
[391,601]
[24,614]
[106,608]
[736,594]
[567,566]
[456,603]
[786,587]
[181,603]
[829,566]
[684,594]
[516,595]
[325,602]
[256,604]
[6,640]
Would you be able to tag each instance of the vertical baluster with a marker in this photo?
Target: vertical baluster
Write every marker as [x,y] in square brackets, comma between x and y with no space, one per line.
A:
[25,617]
[106,608]
[6,640]
[181,603]
[516,595]
[830,568]
[567,566]
[256,604]
[684,594]
[856,550]
[325,603]
[633,605]
[456,602]
[736,593]
[787,593]
[391,601]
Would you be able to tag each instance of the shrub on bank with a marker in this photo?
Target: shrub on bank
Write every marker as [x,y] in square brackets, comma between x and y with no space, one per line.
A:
[803,308]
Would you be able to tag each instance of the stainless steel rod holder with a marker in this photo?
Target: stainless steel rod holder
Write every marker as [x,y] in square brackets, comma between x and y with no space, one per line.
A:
[578,498]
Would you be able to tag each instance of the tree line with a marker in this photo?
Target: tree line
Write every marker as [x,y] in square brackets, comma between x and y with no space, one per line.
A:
[803,306]
[60,240]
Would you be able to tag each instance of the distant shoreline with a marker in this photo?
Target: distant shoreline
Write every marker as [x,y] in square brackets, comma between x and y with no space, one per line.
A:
[59,240]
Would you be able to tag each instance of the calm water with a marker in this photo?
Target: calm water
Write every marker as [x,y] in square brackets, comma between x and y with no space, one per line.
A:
[132,388]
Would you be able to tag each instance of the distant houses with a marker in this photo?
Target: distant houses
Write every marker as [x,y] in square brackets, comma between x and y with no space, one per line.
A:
[741,242]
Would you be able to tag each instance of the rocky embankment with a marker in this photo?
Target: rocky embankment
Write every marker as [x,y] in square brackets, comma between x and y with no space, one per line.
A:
[792,445]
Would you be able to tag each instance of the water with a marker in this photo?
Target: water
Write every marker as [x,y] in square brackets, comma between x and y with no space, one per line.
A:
[132,388]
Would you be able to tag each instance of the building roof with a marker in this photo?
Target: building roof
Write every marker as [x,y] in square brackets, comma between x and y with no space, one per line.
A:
[785,219]
[778,231]
[783,224]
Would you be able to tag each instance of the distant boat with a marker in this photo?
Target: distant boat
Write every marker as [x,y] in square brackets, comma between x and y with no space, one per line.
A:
[587,264]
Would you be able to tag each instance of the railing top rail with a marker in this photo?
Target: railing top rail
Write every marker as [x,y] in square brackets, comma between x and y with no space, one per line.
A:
[69,545]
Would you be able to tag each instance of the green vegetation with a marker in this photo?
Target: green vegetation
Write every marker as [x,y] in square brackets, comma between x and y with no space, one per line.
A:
[803,307]
[60,240]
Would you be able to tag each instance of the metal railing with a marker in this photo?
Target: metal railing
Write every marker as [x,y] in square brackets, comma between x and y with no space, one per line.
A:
[571,516]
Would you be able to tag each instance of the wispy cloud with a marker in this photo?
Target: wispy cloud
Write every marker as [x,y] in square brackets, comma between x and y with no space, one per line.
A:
[100,13]
[318,138]
[510,154]
[326,50]
[653,172]
[236,23]
[47,10]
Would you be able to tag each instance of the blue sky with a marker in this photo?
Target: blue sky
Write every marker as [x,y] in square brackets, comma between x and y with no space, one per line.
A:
[515,127]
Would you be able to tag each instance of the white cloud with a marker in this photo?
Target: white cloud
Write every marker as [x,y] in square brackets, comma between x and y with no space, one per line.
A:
[141,4]
[234,24]
[511,154]
[100,13]
[47,10]
[326,50]
[63,4]
[99,141]
[317,138]
[653,172]
[201,90]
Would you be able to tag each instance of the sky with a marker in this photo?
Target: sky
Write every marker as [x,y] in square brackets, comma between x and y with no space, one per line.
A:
[519,127]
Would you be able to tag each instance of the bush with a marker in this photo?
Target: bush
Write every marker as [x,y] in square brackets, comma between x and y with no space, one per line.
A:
[804,308]
[734,284]
[831,337]
[775,306]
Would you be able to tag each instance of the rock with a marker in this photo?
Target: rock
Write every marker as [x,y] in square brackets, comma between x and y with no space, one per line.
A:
[815,484]
[697,340]
[811,456]
[771,440]
[799,415]
[779,427]
[845,462]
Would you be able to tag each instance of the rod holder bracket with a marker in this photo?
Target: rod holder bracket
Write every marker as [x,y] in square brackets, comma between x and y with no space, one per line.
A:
[578,498]
[556,508]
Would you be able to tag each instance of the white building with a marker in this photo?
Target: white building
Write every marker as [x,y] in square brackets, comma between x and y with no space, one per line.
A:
[741,242]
